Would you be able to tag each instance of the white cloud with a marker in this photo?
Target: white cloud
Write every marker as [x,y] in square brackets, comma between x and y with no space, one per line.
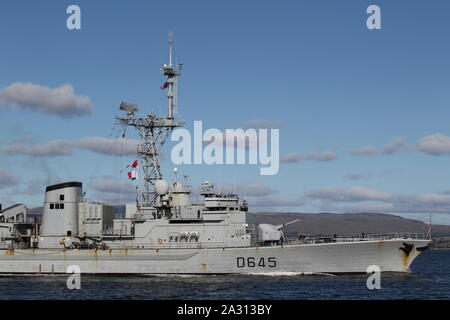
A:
[275,202]
[292,157]
[436,144]
[366,151]
[394,145]
[61,101]
[295,157]
[115,147]
[391,147]
[347,194]
[51,148]
[321,156]
[357,176]
[36,186]
[113,191]
[7,179]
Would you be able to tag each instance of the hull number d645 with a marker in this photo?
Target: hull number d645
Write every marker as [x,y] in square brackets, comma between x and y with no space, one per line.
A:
[252,262]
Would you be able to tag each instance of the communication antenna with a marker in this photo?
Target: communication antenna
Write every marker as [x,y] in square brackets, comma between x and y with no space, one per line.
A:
[170,47]
[153,131]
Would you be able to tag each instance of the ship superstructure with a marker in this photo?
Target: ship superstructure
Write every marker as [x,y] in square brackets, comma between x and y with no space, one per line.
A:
[166,231]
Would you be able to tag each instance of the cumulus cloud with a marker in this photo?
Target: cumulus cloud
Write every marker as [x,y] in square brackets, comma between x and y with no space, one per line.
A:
[275,202]
[51,148]
[436,144]
[115,147]
[61,101]
[347,194]
[294,157]
[391,147]
[7,179]
[113,191]
[36,186]
[321,156]
[394,145]
[366,151]
[357,176]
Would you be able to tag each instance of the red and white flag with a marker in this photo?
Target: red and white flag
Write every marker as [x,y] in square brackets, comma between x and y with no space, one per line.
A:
[132,175]
[134,164]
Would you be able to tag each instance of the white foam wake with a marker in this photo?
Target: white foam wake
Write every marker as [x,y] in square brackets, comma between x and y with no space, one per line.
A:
[289,274]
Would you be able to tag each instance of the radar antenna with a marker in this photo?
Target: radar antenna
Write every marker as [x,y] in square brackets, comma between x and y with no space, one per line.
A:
[153,131]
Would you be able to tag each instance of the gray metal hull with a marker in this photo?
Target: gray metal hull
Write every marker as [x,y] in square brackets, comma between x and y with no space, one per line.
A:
[339,257]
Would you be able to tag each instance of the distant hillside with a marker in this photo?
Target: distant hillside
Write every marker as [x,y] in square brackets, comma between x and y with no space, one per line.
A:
[34,212]
[346,223]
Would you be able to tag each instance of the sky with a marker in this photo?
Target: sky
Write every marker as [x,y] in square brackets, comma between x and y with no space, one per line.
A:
[363,115]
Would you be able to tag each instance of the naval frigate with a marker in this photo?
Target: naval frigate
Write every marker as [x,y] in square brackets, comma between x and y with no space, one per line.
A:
[167,232]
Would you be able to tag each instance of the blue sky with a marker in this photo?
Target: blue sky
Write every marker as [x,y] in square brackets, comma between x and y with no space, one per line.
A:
[375,100]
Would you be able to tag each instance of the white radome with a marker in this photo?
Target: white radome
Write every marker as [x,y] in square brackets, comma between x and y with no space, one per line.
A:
[161,187]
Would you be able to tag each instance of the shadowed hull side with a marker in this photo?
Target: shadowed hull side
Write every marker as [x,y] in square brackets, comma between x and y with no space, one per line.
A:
[341,257]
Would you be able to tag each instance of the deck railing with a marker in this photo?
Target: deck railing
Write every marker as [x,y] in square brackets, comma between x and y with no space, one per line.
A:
[361,237]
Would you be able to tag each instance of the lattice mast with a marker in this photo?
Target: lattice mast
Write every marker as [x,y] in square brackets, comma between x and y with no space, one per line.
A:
[153,130]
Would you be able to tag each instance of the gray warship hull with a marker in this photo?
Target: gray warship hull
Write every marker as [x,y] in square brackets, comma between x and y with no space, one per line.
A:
[338,257]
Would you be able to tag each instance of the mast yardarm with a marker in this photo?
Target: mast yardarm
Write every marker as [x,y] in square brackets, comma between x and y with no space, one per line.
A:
[153,130]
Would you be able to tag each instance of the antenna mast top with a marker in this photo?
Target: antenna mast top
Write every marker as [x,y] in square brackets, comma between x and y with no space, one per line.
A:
[171,83]
[170,47]
[154,129]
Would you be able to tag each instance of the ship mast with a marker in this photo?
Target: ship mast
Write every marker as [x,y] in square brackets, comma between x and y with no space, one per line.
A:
[153,130]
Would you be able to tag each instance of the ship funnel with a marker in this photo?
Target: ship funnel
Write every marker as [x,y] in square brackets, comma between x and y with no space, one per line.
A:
[60,216]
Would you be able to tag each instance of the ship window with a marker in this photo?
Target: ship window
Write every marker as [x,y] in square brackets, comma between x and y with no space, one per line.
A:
[61,197]
[52,206]
[61,205]
[56,205]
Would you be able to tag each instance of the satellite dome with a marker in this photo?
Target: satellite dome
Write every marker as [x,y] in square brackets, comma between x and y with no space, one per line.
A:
[161,187]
